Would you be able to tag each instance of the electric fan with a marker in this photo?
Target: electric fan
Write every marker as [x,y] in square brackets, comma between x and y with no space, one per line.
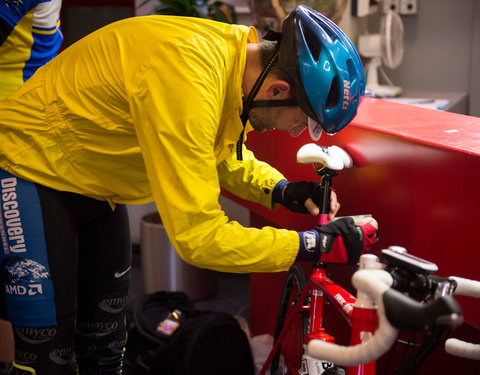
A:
[385,47]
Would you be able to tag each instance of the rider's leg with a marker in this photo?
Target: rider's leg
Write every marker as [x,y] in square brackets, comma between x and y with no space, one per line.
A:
[104,259]
[43,350]
[39,284]
[102,253]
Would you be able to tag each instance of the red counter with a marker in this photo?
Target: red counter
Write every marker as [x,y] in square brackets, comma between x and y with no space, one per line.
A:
[417,171]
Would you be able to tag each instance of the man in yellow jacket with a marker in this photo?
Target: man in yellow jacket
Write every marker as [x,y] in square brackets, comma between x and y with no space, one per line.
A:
[156,108]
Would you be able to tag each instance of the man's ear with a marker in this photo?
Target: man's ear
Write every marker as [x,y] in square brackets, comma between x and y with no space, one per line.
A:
[278,89]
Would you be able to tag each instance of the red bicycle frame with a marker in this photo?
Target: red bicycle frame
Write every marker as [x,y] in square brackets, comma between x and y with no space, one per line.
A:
[361,316]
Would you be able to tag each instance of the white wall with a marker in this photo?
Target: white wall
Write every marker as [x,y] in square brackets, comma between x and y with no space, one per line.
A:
[475,64]
[442,49]
[135,214]
[145,9]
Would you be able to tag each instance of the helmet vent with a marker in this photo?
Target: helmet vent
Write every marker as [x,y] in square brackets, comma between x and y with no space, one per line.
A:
[312,41]
[333,95]
[352,72]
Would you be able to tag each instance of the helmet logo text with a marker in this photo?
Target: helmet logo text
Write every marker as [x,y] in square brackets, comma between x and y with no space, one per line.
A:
[346,94]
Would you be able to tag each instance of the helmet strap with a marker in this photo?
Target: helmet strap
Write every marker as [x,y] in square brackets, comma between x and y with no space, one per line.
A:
[247,104]
[292,102]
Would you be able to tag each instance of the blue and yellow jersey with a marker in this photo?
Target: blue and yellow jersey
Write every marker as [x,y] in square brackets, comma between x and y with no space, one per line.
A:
[34,40]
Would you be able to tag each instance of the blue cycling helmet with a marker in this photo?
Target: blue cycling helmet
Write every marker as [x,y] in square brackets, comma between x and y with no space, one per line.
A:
[325,67]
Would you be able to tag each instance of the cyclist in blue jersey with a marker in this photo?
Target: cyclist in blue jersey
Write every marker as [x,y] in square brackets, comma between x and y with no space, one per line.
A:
[29,37]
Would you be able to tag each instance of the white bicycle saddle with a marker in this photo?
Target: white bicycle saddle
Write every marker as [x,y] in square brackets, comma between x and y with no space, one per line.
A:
[332,157]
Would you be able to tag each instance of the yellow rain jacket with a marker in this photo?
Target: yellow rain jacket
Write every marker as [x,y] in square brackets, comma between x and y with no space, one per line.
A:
[148,109]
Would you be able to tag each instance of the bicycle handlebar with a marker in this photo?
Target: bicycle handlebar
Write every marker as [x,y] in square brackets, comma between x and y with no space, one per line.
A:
[375,283]
[459,348]
[466,287]
[462,349]
[444,311]
[405,313]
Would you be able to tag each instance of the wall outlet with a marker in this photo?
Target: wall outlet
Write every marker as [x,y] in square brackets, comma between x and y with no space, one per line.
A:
[391,5]
[362,8]
[408,7]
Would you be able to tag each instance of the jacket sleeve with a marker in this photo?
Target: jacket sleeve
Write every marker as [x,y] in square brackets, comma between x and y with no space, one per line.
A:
[176,122]
[249,179]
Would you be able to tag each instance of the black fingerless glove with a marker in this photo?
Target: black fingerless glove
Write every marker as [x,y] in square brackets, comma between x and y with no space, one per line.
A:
[296,193]
[352,236]
[320,241]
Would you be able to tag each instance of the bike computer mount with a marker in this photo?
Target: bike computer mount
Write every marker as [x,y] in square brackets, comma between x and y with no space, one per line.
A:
[398,256]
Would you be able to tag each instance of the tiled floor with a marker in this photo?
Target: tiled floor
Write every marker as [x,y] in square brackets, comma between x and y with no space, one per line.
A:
[232,294]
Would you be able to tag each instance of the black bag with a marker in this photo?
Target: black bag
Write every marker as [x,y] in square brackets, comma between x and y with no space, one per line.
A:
[206,342]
